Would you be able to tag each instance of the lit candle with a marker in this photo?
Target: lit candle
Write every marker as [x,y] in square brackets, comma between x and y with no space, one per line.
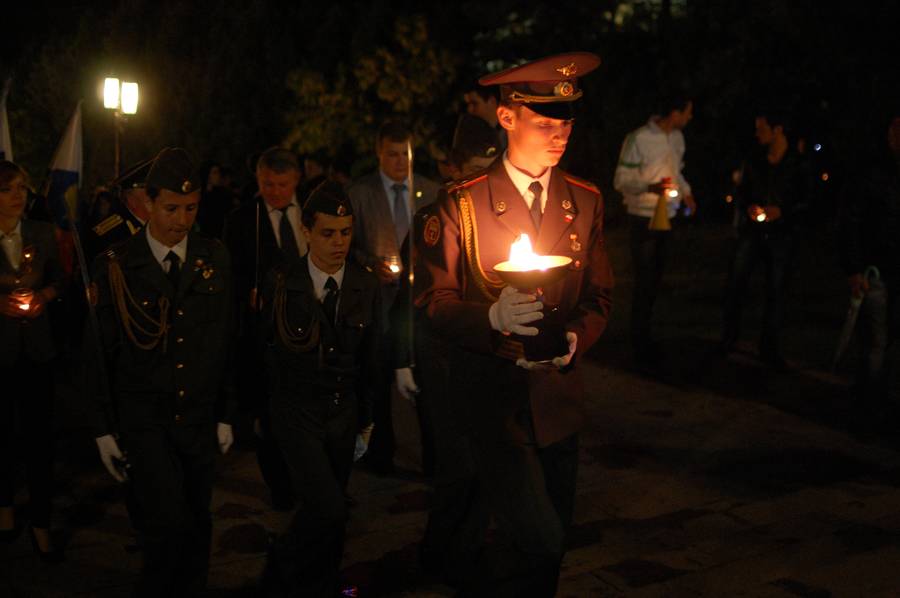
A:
[672,192]
[523,258]
[761,216]
[393,264]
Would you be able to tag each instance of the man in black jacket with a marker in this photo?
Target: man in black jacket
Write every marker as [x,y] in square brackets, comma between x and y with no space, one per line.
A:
[770,205]
[164,304]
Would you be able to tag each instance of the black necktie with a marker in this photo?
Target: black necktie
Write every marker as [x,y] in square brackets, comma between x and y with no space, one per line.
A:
[401,213]
[536,188]
[174,262]
[329,303]
[286,231]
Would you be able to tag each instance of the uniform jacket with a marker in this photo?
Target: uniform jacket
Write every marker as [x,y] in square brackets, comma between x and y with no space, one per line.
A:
[42,270]
[457,308]
[344,362]
[115,228]
[185,378]
[374,235]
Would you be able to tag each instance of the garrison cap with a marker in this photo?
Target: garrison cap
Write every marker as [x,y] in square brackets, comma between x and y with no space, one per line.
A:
[328,198]
[173,170]
[134,177]
[549,86]
[474,137]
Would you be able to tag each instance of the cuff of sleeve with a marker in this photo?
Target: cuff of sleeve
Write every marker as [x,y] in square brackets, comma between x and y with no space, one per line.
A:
[494,318]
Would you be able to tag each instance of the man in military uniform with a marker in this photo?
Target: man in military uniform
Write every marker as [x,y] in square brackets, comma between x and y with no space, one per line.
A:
[164,304]
[129,212]
[323,320]
[522,416]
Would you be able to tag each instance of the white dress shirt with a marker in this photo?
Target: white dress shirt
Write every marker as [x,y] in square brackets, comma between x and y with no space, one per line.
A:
[293,213]
[160,251]
[319,279]
[12,245]
[522,181]
[648,155]
[389,183]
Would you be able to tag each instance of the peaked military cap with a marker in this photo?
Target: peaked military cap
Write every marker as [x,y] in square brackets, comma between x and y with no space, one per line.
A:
[549,86]
[173,170]
[134,177]
[328,198]
[475,137]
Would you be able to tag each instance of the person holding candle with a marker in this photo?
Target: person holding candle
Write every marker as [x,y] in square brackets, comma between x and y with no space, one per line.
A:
[649,177]
[521,416]
[384,208]
[30,277]
[770,204]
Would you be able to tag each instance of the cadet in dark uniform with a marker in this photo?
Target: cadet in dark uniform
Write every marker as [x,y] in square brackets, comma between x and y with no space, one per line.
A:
[522,417]
[323,316]
[163,299]
[129,212]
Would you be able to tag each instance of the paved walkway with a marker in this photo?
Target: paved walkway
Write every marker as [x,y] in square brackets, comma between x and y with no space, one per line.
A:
[718,478]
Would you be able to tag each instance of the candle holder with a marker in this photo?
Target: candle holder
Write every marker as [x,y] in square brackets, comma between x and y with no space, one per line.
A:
[23,298]
[531,276]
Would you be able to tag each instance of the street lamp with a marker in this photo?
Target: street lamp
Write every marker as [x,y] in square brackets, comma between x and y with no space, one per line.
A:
[122,99]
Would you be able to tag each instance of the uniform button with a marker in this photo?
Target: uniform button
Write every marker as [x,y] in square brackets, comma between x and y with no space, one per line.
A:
[178,366]
[181,394]
[180,339]
[178,419]
[577,263]
[331,349]
[337,395]
[180,312]
[338,378]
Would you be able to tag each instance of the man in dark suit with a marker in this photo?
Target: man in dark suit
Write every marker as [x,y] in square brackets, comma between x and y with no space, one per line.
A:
[259,235]
[323,319]
[164,304]
[522,416]
[384,209]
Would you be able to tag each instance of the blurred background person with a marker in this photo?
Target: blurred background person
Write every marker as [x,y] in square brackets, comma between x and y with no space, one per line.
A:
[770,204]
[216,201]
[30,277]
[870,236]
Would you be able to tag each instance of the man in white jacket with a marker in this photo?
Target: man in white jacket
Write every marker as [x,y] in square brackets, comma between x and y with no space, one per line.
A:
[649,169]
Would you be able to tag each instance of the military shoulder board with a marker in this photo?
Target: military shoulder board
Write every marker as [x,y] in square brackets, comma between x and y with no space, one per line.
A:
[107,225]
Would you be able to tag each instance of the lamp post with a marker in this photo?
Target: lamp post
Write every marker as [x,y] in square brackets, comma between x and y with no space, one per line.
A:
[122,99]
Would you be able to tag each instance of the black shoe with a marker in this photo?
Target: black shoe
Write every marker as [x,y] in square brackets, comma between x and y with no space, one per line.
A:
[51,557]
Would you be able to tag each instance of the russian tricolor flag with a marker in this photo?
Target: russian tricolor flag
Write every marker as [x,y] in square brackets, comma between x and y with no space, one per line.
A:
[62,188]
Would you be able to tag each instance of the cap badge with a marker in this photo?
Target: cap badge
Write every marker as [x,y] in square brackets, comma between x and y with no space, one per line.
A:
[490,151]
[186,187]
[501,206]
[341,210]
[564,89]
[568,70]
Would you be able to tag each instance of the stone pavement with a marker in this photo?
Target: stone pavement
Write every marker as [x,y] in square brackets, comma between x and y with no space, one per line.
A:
[719,477]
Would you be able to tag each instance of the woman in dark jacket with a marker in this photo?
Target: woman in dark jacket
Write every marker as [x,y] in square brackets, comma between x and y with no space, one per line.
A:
[30,278]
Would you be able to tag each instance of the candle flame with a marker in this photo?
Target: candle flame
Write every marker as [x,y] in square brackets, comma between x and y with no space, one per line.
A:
[394,268]
[761,217]
[24,306]
[672,192]
[522,257]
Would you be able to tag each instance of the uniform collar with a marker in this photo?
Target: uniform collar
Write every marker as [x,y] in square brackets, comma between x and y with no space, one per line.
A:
[523,180]
[160,251]
[319,278]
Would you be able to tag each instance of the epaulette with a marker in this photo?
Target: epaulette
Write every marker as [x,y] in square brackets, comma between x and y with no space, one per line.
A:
[107,224]
[581,183]
[466,181]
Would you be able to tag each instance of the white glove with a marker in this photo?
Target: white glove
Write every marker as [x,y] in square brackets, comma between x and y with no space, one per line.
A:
[362,442]
[225,435]
[406,384]
[557,362]
[109,450]
[512,310]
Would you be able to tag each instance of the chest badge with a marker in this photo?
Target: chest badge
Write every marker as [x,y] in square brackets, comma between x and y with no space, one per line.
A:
[574,243]
[567,204]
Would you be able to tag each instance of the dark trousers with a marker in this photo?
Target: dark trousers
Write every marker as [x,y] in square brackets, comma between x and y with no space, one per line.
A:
[382,445]
[26,426]
[774,251]
[648,258]
[172,470]
[459,514]
[317,435]
[272,465]
[531,494]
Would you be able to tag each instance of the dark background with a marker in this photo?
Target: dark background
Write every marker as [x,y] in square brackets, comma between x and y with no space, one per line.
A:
[226,80]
